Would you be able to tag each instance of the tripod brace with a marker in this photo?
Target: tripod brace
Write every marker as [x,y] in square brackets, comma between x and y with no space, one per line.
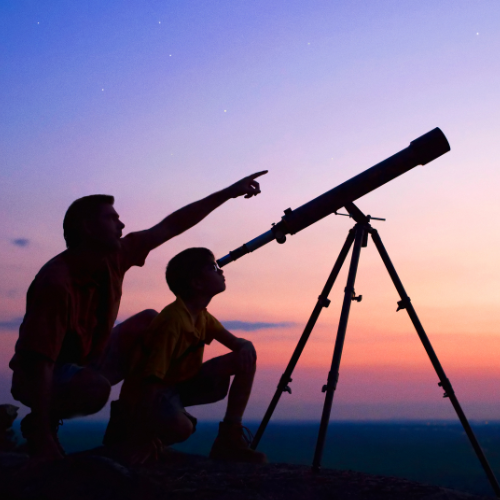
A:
[359,236]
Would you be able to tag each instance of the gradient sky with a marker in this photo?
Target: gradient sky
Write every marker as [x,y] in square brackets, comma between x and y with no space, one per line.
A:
[163,102]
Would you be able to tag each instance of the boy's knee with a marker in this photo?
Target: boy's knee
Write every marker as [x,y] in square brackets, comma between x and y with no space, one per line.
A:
[245,366]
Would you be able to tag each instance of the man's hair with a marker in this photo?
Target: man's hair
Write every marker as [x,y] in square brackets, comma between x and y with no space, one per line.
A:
[184,267]
[83,209]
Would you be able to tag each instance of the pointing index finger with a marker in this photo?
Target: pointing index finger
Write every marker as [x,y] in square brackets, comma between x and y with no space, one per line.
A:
[258,174]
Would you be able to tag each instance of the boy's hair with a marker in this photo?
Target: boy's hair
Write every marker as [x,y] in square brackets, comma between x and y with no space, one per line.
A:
[83,209]
[184,267]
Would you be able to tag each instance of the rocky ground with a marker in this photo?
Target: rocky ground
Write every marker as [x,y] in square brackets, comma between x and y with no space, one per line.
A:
[94,475]
[97,475]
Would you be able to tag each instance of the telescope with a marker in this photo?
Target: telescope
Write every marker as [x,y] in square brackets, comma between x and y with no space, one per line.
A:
[421,151]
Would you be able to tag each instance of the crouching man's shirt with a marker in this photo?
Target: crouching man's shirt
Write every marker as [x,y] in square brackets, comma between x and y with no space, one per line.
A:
[72,304]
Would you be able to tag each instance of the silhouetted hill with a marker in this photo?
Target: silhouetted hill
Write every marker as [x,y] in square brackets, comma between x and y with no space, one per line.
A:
[94,475]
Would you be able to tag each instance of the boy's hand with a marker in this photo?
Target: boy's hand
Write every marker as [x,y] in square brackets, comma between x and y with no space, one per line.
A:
[247,186]
[248,356]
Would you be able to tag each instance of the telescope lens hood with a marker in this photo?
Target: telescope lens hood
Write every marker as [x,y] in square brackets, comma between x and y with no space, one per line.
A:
[430,146]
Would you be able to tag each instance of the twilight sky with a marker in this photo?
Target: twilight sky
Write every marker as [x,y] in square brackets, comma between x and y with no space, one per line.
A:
[163,102]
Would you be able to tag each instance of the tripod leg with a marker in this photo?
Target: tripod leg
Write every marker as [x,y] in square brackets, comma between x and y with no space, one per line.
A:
[405,303]
[339,344]
[322,302]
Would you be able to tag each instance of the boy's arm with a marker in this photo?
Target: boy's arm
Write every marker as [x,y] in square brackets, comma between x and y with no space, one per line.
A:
[244,347]
[190,215]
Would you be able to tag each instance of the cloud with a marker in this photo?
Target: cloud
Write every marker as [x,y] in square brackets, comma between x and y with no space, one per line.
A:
[20,242]
[12,324]
[249,326]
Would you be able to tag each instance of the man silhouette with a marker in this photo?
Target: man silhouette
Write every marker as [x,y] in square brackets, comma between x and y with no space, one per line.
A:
[68,354]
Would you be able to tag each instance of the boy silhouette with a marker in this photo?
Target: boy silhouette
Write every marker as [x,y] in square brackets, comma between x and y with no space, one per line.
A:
[169,372]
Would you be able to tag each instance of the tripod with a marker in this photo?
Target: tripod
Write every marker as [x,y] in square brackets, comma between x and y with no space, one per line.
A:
[359,236]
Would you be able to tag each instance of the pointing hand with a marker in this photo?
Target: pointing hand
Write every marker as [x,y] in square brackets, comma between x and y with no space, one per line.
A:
[247,186]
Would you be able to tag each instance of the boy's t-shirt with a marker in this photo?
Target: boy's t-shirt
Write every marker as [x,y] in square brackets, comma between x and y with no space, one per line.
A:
[171,349]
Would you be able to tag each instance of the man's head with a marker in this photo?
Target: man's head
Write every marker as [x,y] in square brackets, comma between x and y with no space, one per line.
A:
[92,221]
[194,273]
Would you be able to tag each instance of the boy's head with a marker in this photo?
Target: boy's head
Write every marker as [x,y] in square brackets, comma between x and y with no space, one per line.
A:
[194,273]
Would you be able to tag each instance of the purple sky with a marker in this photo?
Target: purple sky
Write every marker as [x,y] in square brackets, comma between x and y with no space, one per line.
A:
[160,103]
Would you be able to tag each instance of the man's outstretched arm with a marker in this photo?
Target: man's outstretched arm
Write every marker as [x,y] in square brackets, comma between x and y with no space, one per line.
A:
[193,213]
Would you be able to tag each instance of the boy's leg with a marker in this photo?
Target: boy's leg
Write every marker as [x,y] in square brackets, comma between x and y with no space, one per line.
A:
[220,369]
[210,385]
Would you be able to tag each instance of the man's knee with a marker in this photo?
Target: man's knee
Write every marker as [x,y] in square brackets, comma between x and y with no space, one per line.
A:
[89,390]
[140,321]
[132,328]
[177,429]
[122,353]
[149,315]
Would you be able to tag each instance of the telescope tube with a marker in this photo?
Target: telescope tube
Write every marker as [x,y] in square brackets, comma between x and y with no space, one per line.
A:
[421,151]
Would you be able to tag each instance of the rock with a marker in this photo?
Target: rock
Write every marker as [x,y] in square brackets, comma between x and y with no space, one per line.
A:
[8,413]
